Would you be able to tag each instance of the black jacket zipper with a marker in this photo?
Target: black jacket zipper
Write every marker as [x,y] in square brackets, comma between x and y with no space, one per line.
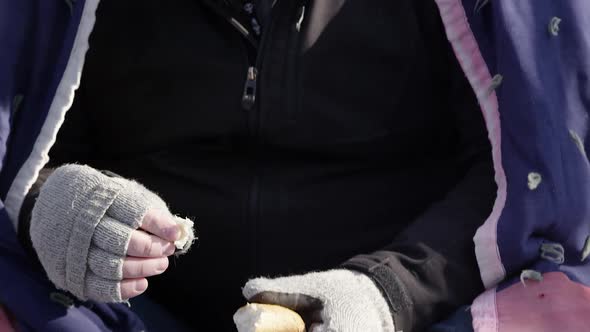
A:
[251,104]
[249,99]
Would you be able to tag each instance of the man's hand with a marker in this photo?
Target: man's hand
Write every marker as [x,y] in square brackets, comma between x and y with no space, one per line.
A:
[335,300]
[147,252]
[99,237]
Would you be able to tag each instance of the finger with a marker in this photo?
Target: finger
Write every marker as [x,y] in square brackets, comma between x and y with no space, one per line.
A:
[313,317]
[133,202]
[161,224]
[145,245]
[105,264]
[309,308]
[112,236]
[101,289]
[144,267]
[296,302]
[133,287]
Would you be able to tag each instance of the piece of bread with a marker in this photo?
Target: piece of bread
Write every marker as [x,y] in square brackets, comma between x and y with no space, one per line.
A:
[187,236]
[255,317]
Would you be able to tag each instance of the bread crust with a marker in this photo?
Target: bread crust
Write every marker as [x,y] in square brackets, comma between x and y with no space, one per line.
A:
[255,317]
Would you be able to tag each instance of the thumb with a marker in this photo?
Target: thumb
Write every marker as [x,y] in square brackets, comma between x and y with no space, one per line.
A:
[289,292]
[308,307]
[297,302]
[291,285]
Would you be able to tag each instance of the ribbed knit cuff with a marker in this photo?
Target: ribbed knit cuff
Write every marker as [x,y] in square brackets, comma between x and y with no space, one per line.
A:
[92,208]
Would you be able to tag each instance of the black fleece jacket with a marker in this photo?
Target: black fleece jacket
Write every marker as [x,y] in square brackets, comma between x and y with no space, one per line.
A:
[359,144]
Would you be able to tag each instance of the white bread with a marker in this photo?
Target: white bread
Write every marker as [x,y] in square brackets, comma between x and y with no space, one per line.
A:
[186,233]
[255,317]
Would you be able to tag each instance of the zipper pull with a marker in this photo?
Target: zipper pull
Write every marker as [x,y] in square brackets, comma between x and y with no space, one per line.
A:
[249,96]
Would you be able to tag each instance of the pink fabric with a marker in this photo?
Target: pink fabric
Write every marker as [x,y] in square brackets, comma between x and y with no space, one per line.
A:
[555,304]
[483,311]
[472,62]
[485,317]
[5,324]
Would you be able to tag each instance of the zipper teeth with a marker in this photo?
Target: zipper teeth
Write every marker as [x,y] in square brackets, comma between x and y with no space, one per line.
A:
[254,199]
[253,214]
[264,41]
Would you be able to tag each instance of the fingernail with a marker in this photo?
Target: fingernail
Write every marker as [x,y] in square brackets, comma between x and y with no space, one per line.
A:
[173,233]
[141,285]
[169,249]
[163,266]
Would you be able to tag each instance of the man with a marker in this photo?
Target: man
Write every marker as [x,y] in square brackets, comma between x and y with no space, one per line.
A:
[339,137]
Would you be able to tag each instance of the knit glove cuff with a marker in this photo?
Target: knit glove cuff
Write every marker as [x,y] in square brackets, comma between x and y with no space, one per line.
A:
[350,301]
[81,225]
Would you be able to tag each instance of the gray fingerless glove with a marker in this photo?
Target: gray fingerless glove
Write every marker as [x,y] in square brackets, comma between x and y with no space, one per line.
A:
[342,300]
[81,225]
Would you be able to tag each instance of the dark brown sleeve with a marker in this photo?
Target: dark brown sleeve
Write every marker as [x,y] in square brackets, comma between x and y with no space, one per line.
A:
[430,269]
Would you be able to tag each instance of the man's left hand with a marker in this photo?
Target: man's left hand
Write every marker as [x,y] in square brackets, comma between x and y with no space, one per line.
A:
[335,300]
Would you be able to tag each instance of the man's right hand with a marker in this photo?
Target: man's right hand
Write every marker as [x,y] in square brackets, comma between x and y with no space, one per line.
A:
[147,252]
[99,237]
